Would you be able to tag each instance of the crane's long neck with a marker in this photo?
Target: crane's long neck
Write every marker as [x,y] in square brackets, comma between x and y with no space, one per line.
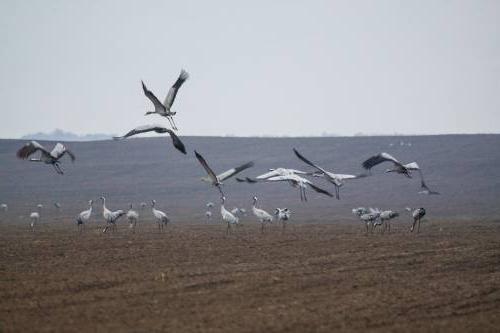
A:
[104,205]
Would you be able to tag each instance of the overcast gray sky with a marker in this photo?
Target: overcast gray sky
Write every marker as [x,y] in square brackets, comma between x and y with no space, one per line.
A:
[257,67]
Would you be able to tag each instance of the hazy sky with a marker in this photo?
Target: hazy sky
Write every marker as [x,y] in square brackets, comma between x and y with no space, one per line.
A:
[257,67]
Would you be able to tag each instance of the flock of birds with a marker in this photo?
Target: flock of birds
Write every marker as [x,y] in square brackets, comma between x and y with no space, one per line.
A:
[295,178]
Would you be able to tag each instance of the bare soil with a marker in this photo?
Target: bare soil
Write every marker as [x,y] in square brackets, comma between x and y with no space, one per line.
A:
[192,278]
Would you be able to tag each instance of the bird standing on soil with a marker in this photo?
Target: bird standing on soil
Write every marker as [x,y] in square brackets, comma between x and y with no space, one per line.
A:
[385,219]
[161,218]
[370,218]
[109,216]
[216,180]
[46,157]
[227,216]
[84,217]
[263,216]
[417,216]
[283,215]
[164,109]
[132,218]
[35,217]
[4,207]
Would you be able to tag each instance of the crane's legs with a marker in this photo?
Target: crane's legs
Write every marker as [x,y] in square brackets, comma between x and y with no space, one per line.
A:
[58,168]
[413,225]
[220,190]
[172,122]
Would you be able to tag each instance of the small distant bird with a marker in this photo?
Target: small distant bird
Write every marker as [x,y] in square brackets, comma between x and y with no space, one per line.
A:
[84,217]
[404,169]
[263,216]
[336,179]
[239,212]
[57,205]
[283,215]
[35,217]
[47,157]
[158,129]
[208,213]
[417,216]
[161,218]
[164,109]
[4,207]
[227,216]
[109,216]
[216,180]
[132,218]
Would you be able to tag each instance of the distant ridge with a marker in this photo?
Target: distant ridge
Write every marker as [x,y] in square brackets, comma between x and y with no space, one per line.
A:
[60,135]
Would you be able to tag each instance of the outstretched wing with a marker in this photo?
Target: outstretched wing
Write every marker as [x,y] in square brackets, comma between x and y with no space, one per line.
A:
[169,100]
[204,164]
[152,98]
[424,187]
[380,158]
[305,160]
[231,172]
[142,129]
[412,166]
[158,129]
[320,190]
[280,179]
[29,149]
[269,174]
[177,142]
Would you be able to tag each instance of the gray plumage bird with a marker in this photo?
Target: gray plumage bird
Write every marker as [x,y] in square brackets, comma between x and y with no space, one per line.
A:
[48,157]
[164,109]
[404,169]
[216,180]
[335,178]
[417,216]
